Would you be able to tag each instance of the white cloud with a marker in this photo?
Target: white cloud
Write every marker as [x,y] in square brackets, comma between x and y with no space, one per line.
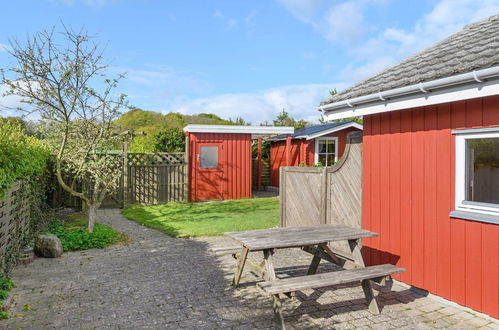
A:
[299,100]
[344,23]
[304,10]
[163,81]
[4,47]
[8,104]
[392,44]
[339,22]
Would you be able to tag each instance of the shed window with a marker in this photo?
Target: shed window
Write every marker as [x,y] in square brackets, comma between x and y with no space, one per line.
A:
[326,151]
[208,157]
[477,172]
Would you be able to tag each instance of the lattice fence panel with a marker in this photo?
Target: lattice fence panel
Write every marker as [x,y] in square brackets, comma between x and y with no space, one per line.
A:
[157,178]
[17,212]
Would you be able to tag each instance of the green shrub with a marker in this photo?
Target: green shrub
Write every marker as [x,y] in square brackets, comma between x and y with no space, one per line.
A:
[21,156]
[6,283]
[78,238]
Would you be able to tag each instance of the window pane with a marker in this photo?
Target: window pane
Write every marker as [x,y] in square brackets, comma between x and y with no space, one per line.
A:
[330,146]
[330,159]
[482,174]
[322,146]
[208,157]
[322,159]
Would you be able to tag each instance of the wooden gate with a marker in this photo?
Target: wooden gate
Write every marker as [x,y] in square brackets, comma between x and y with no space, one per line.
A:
[324,195]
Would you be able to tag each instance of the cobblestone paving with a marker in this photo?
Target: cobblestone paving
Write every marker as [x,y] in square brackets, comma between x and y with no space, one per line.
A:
[158,282]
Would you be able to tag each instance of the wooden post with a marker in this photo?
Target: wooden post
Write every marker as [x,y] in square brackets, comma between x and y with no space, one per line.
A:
[288,150]
[187,180]
[259,165]
[282,196]
[125,173]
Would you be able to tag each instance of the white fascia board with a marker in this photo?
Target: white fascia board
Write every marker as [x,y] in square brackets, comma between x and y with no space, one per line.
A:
[332,130]
[264,130]
[444,95]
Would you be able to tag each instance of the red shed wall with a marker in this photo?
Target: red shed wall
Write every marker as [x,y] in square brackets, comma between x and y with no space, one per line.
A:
[234,158]
[298,155]
[408,192]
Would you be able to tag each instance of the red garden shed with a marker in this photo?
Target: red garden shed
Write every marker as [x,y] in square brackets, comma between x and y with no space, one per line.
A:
[220,159]
[431,165]
[323,143]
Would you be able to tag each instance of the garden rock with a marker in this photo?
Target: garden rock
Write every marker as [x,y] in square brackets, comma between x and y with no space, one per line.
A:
[48,246]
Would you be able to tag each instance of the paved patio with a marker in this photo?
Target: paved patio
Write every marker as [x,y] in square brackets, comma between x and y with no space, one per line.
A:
[158,282]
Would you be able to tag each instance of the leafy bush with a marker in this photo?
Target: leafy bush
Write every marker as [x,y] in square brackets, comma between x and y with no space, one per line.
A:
[21,156]
[6,284]
[169,141]
[78,238]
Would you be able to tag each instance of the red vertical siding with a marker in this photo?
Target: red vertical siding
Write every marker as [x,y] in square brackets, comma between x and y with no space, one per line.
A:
[408,193]
[367,187]
[394,183]
[235,159]
[443,200]
[307,154]
[405,194]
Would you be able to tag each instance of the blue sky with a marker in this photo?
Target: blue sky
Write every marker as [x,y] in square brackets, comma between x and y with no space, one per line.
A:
[245,58]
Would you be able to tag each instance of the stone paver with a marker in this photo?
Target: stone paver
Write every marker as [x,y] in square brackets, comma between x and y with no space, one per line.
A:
[158,282]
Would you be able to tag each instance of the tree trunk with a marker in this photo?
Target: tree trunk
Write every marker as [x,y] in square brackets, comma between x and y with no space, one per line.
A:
[92,216]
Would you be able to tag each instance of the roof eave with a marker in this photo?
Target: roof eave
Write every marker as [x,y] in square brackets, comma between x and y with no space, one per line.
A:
[233,129]
[335,129]
[433,92]
[446,95]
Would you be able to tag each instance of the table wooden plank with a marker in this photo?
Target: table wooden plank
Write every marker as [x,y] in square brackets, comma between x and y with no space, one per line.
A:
[297,236]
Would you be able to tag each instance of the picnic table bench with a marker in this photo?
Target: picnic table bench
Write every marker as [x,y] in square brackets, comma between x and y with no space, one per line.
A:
[314,240]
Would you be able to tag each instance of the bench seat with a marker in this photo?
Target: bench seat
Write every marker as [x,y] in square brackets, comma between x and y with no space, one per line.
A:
[328,279]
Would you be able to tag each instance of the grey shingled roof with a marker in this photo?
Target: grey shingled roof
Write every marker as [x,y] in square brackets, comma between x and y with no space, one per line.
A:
[309,130]
[474,47]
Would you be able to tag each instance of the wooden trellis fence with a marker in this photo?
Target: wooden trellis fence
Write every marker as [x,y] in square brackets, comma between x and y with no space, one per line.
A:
[155,178]
[18,210]
[147,178]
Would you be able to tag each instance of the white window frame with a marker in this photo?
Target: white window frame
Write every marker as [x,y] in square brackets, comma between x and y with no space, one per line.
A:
[460,181]
[316,156]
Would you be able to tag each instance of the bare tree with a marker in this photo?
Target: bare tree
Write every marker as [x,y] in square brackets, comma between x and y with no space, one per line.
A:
[61,76]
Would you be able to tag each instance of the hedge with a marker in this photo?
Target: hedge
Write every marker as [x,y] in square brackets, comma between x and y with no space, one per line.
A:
[21,156]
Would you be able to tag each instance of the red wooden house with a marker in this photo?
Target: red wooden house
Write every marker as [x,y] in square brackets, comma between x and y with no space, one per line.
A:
[431,165]
[320,143]
[220,159]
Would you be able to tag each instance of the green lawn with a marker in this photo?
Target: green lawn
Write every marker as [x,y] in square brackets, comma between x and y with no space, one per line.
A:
[207,219]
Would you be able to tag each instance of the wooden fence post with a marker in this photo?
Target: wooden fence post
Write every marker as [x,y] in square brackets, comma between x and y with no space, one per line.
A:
[125,174]
[282,196]
[187,176]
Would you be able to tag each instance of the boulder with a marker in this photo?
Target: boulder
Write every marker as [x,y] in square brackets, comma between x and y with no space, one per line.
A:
[48,246]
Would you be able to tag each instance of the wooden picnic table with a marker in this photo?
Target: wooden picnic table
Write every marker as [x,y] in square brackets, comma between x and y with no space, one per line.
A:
[314,240]
[268,240]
